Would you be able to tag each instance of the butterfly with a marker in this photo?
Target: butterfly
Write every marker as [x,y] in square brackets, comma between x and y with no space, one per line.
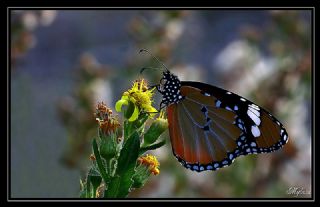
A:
[209,127]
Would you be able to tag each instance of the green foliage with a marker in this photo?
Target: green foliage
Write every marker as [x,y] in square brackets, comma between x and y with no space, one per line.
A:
[155,130]
[115,165]
[152,147]
[101,167]
[120,184]
[129,154]
[140,177]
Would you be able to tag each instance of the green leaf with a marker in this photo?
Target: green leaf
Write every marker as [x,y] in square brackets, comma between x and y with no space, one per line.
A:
[120,184]
[129,154]
[128,129]
[95,181]
[88,188]
[101,168]
[152,147]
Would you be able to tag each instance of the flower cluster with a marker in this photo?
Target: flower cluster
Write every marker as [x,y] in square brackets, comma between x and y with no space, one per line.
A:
[140,97]
[152,163]
[118,167]
[107,122]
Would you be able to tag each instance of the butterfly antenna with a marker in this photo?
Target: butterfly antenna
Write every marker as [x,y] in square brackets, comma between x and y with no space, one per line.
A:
[154,57]
[148,68]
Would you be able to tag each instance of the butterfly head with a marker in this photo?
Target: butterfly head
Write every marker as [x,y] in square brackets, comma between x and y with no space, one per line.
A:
[169,87]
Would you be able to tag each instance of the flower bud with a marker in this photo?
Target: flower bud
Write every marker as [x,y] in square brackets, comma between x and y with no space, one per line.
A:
[155,130]
[108,148]
[148,165]
[142,173]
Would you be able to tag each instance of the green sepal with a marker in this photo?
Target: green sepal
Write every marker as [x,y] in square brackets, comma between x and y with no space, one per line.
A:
[141,176]
[154,131]
[152,147]
[108,147]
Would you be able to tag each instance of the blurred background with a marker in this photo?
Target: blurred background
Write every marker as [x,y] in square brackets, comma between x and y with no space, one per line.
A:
[64,62]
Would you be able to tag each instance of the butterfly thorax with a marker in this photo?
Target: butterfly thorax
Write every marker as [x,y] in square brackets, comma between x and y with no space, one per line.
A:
[169,87]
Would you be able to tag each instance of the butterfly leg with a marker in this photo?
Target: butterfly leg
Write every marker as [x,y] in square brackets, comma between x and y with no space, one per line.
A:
[162,105]
[152,86]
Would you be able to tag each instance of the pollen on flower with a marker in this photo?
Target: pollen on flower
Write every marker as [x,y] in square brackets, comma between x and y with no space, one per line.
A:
[140,96]
[107,122]
[150,161]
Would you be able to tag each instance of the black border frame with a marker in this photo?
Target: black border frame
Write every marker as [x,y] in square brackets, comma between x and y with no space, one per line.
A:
[27,4]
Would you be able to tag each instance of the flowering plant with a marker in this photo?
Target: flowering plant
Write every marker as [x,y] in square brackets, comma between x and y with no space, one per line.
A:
[118,161]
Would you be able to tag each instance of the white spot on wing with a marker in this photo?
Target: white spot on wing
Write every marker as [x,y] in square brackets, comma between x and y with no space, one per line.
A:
[228,108]
[254,117]
[255,106]
[285,137]
[242,99]
[253,144]
[254,110]
[255,131]
[218,103]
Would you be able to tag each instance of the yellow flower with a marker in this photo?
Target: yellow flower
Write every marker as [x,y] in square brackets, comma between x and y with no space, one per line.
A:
[152,162]
[107,122]
[140,97]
